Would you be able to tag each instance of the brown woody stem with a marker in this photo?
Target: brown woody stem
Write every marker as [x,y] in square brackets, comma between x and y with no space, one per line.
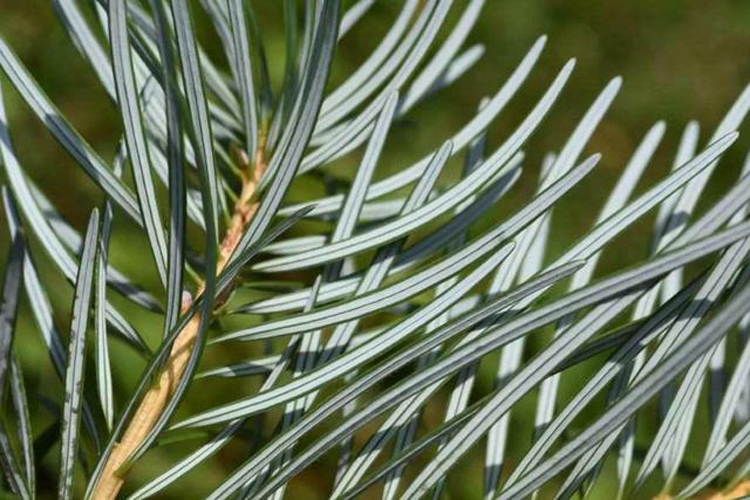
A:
[156,399]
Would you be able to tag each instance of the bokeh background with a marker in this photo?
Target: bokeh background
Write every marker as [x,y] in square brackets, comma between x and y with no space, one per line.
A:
[680,60]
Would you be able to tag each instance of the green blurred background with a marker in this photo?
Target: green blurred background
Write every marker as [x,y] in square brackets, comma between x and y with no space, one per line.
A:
[680,60]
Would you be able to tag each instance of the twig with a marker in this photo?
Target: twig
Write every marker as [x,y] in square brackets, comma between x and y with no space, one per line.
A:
[157,397]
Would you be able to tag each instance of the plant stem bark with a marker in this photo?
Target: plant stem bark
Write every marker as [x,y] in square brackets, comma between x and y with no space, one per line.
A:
[157,397]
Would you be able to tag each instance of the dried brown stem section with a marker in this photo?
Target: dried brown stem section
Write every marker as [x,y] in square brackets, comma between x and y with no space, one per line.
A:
[155,400]
[244,211]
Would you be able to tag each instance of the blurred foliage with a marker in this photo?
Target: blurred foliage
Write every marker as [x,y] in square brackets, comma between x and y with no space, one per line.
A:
[680,60]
